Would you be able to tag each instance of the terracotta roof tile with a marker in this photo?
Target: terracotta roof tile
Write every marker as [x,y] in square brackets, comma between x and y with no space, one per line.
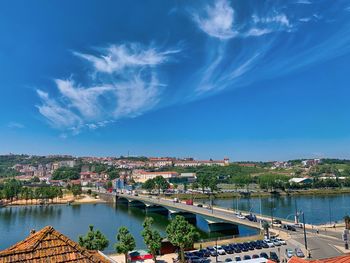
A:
[339,259]
[49,245]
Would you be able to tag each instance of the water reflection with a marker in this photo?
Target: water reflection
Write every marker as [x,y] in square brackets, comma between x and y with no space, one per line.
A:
[74,220]
[318,209]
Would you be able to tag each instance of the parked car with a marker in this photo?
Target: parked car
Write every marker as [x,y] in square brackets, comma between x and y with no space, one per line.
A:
[299,253]
[264,255]
[238,259]
[196,259]
[200,205]
[277,222]
[274,257]
[205,252]
[228,260]
[289,252]
[220,250]
[276,242]
[246,257]
[240,217]
[269,243]
[255,256]
[289,227]
[212,251]
[228,249]
[283,242]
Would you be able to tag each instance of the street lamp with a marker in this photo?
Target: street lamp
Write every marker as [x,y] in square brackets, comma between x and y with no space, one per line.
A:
[305,239]
[216,249]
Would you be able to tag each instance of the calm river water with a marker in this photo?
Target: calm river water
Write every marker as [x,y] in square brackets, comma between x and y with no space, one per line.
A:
[73,220]
[318,209]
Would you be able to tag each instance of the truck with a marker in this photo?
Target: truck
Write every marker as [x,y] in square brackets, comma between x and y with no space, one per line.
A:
[189,202]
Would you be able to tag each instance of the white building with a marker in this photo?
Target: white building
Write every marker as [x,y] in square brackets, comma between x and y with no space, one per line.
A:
[142,176]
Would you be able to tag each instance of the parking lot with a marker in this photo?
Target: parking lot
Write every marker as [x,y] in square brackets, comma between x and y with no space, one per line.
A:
[280,252]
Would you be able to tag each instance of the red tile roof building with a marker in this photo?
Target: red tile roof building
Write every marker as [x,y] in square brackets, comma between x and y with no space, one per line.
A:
[49,245]
[339,259]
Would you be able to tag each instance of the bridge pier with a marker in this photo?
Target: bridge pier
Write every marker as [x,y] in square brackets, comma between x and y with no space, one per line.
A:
[190,217]
[136,203]
[157,209]
[223,227]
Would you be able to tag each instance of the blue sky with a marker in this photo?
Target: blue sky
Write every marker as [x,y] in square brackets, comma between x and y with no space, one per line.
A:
[251,80]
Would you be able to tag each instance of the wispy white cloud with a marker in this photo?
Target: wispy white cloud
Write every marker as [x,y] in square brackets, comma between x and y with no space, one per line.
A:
[117,58]
[15,125]
[304,2]
[86,100]
[136,96]
[258,32]
[57,115]
[243,68]
[127,87]
[217,20]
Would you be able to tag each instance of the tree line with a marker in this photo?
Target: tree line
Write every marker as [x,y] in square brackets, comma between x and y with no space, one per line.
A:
[180,234]
[12,189]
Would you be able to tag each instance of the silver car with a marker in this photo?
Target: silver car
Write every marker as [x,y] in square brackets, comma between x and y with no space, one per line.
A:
[289,252]
[299,253]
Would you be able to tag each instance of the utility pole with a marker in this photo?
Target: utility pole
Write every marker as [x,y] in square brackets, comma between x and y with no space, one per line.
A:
[305,240]
[216,249]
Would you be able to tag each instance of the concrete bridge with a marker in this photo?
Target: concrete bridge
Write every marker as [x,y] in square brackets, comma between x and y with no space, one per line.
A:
[217,220]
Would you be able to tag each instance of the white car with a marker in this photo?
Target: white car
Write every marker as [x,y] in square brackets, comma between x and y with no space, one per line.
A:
[289,253]
[276,242]
[269,243]
[282,242]
[220,250]
[241,217]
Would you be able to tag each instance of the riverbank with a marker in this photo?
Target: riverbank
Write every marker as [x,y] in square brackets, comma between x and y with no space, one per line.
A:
[66,199]
[262,194]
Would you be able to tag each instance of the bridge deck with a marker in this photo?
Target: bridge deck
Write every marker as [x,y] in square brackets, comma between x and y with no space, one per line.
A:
[221,214]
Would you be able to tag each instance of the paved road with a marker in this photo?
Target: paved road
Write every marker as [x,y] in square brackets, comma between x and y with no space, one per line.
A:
[320,246]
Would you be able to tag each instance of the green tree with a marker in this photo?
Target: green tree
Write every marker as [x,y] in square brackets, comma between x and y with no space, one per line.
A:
[76,190]
[151,237]
[66,173]
[93,240]
[161,183]
[26,193]
[12,188]
[126,242]
[213,183]
[266,226]
[203,181]
[242,180]
[181,234]
[149,185]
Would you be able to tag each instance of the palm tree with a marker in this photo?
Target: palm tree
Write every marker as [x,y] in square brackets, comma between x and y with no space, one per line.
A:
[347,221]
[265,225]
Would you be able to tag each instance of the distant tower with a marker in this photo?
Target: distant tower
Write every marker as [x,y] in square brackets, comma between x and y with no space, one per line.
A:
[226,161]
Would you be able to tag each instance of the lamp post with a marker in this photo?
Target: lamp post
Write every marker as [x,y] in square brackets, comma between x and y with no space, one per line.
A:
[260,211]
[305,239]
[216,249]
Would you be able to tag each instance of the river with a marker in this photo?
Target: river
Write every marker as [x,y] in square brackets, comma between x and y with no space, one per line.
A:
[318,209]
[74,220]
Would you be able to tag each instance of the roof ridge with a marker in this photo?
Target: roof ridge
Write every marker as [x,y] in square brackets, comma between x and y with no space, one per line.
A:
[41,233]
[74,244]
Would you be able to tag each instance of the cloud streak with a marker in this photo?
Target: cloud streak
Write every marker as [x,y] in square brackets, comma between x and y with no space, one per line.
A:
[128,86]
